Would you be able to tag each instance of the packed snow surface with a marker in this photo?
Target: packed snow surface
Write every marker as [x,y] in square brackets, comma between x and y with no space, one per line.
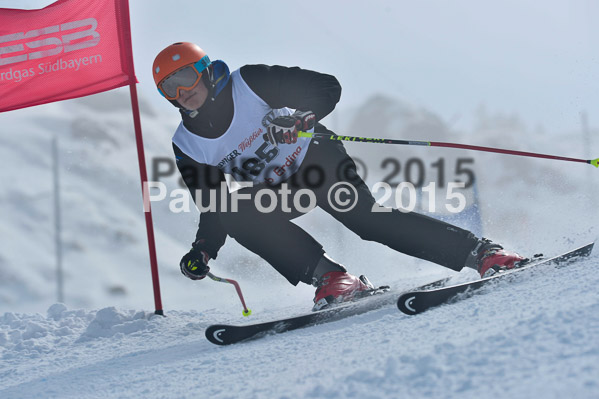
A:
[536,336]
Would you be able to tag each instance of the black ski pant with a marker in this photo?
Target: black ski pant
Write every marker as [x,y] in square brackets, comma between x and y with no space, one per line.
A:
[294,253]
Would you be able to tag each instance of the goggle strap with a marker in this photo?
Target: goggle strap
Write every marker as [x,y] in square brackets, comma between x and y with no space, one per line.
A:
[202,64]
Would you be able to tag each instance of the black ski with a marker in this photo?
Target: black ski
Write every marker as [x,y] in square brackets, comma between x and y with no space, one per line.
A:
[222,334]
[418,301]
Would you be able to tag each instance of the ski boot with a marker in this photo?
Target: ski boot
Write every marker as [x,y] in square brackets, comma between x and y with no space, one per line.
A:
[337,287]
[491,258]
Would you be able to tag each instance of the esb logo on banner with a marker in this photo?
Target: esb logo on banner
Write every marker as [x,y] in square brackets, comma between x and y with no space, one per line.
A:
[65,50]
[50,45]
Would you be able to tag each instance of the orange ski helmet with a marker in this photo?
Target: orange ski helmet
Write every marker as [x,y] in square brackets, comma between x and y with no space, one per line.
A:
[179,66]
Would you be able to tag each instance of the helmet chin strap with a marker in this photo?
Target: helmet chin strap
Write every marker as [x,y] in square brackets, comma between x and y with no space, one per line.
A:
[211,85]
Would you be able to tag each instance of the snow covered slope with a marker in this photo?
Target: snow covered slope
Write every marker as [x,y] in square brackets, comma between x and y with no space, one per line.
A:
[534,337]
[537,336]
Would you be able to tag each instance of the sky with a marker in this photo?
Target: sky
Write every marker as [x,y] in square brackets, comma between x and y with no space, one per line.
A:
[534,59]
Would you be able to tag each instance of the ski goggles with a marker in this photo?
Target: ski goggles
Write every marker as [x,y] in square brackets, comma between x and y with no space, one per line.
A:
[185,78]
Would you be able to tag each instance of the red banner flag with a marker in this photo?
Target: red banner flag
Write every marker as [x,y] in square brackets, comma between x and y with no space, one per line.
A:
[69,49]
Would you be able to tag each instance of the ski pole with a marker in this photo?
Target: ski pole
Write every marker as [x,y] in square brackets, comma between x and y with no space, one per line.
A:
[246,311]
[325,136]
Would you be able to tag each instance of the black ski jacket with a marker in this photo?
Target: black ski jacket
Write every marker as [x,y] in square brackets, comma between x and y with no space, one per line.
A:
[279,87]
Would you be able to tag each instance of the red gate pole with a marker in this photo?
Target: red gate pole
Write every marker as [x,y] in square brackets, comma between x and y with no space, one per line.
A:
[146,195]
[142,160]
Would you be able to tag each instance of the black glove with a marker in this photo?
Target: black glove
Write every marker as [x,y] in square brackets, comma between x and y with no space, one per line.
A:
[283,129]
[194,264]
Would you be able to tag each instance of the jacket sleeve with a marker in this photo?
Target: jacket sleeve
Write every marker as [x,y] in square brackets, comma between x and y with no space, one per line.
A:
[293,87]
[200,179]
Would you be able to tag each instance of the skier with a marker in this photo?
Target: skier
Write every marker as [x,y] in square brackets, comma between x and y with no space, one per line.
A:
[243,127]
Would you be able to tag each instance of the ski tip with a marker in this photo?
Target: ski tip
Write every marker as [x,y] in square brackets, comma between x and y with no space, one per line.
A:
[405,303]
[217,334]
